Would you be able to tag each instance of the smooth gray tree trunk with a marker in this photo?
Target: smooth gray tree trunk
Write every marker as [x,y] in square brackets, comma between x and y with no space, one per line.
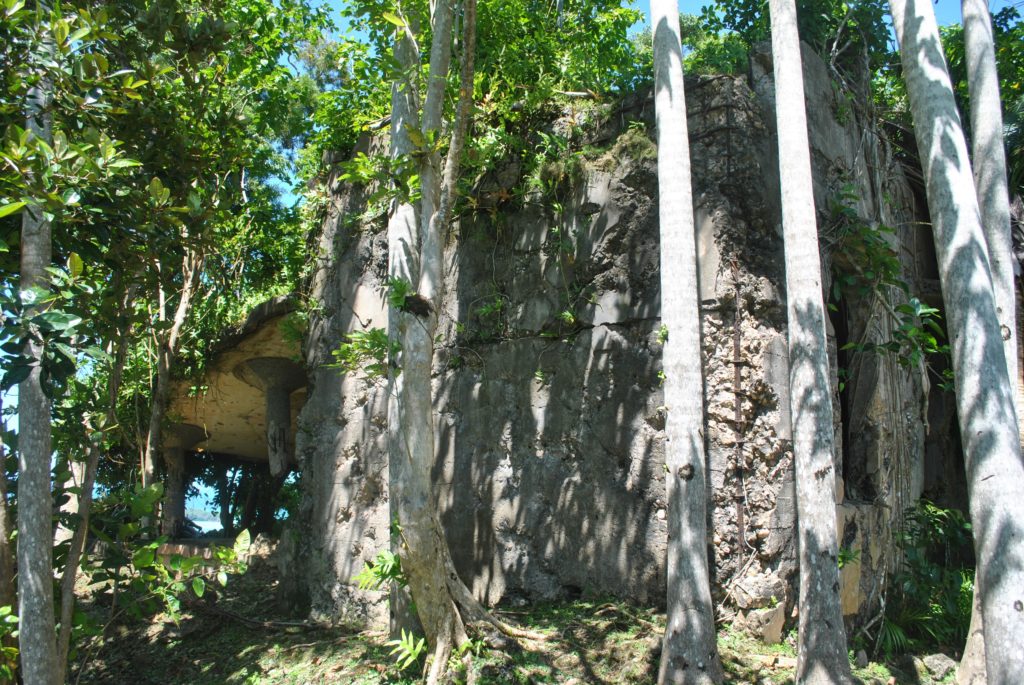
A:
[690,648]
[984,391]
[414,256]
[822,656]
[989,159]
[415,247]
[402,258]
[989,165]
[37,640]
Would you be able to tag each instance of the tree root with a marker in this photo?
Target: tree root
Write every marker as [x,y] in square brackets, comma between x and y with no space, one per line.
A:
[474,612]
[465,611]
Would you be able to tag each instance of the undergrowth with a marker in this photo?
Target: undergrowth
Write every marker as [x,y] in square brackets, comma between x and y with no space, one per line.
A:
[240,638]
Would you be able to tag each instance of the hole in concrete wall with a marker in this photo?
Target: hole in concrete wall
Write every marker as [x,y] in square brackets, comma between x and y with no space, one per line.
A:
[837,313]
[856,442]
[945,478]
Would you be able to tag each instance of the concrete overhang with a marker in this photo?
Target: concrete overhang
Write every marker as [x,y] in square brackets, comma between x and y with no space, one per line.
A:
[229,402]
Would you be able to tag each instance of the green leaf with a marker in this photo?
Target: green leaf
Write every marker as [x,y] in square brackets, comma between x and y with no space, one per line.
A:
[394,19]
[143,558]
[75,264]
[222,577]
[56,321]
[198,586]
[242,542]
[79,34]
[13,7]
[11,208]
[16,374]
[60,32]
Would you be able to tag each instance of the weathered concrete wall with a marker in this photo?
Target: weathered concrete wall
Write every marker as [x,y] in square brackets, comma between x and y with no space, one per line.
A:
[549,416]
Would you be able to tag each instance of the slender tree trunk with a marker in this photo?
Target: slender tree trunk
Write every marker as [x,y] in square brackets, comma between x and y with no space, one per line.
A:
[75,550]
[166,349]
[424,550]
[270,486]
[989,157]
[157,412]
[81,531]
[173,514]
[822,654]
[443,602]
[242,487]
[35,501]
[985,397]
[994,201]
[690,650]
[252,500]
[401,261]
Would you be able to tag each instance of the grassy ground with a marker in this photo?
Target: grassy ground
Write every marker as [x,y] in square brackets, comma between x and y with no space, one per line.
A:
[589,641]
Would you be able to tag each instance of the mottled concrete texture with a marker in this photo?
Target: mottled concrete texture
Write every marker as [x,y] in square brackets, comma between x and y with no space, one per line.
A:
[549,416]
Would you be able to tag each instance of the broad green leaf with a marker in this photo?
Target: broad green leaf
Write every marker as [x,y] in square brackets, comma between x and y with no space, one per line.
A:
[13,7]
[394,19]
[60,32]
[56,321]
[15,375]
[11,208]
[143,558]
[79,34]
[75,264]
[198,586]
[242,542]
[222,577]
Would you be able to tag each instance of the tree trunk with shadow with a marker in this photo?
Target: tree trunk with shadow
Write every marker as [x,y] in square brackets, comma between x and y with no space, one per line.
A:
[36,641]
[994,200]
[822,655]
[984,391]
[690,648]
[416,238]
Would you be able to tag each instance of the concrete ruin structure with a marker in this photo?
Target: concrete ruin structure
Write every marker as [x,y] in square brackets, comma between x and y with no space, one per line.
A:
[550,417]
[243,408]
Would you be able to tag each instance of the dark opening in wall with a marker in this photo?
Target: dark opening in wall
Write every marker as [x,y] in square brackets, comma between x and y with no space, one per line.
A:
[945,478]
[858,373]
[837,312]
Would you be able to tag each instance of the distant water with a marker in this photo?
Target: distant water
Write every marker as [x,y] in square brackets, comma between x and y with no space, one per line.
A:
[207,526]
